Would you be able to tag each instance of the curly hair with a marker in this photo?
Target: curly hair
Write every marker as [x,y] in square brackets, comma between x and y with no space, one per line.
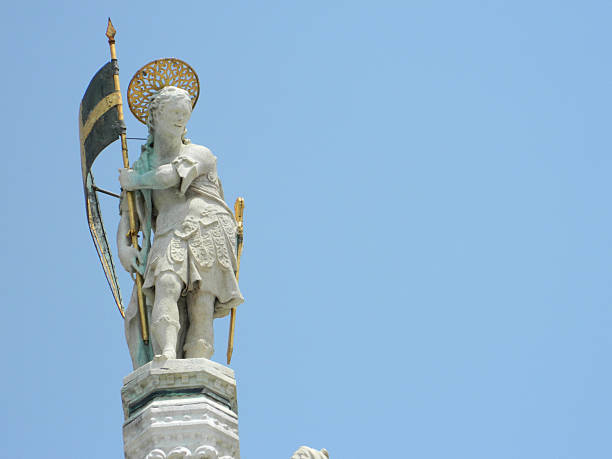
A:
[145,163]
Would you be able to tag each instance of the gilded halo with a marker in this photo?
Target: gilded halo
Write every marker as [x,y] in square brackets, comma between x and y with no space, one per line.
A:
[153,77]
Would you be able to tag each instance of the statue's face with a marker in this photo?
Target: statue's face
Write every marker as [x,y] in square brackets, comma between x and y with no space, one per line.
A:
[172,116]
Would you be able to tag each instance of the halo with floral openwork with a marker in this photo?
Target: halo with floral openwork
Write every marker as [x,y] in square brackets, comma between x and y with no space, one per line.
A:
[156,75]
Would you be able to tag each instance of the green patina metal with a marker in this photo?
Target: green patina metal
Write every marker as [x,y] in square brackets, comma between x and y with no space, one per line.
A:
[144,354]
[143,165]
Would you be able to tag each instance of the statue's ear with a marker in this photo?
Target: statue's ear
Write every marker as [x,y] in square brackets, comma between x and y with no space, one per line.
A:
[324,451]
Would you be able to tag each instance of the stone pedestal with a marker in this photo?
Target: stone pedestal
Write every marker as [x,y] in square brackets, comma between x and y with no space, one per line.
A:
[180,409]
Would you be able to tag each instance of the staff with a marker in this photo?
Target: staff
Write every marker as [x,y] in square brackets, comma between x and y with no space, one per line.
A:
[110,33]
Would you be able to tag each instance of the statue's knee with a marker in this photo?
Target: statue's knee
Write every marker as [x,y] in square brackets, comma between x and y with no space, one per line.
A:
[169,283]
[201,305]
[164,321]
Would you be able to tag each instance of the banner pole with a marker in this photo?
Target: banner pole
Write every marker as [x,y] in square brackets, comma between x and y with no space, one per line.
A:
[133,234]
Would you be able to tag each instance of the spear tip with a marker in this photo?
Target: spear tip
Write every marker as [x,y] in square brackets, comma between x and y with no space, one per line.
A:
[110,31]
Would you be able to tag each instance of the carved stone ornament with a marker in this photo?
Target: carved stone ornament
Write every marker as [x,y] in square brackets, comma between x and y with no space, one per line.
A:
[309,453]
[180,408]
[180,452]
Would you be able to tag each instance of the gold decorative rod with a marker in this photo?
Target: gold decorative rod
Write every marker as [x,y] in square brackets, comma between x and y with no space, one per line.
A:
[239,211]
[133,234]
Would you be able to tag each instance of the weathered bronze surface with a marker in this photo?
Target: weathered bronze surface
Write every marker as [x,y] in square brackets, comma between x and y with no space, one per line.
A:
[99,126]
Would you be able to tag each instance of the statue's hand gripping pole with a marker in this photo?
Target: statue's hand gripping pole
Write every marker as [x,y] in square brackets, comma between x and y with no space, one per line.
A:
[133,234]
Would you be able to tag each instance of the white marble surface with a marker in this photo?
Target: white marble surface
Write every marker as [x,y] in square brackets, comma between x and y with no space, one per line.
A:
[305,452]
[189,268]
[180,408]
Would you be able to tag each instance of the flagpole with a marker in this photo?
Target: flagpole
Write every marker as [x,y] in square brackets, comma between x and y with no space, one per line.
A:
[239,211]
[110,34]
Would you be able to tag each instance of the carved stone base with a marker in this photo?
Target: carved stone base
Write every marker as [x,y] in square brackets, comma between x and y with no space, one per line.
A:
[180,409]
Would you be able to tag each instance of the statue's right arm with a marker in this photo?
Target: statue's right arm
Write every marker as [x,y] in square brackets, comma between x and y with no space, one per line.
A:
[159,179]
[128,255]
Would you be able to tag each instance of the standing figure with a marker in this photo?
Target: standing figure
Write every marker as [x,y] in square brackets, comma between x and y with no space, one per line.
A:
[189,271]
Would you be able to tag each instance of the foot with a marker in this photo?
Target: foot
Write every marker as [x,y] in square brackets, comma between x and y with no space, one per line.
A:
[169,353]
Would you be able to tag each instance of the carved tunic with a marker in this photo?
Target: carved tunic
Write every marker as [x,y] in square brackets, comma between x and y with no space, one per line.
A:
[195,235]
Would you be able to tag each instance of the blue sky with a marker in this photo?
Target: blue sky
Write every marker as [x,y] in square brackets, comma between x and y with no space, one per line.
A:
[428,252]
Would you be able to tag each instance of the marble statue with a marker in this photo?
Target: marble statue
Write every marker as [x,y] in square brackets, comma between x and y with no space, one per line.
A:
[189,270]
[181,243]
[308,453]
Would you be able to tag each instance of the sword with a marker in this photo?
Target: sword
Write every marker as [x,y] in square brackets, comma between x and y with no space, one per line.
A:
[239,211]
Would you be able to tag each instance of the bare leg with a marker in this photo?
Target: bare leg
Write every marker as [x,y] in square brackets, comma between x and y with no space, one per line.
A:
[165,315]
[200,336]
